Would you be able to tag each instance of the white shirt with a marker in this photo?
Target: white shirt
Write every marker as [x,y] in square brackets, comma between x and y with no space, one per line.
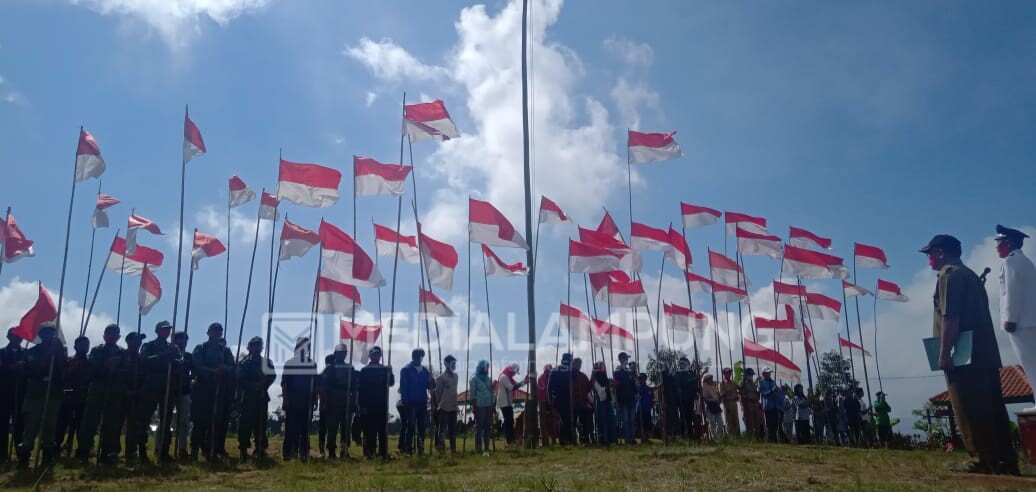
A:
[1018,290]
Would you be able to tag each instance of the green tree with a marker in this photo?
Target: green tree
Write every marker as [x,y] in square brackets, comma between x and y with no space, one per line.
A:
[937,429]
[665,360]
[835,374]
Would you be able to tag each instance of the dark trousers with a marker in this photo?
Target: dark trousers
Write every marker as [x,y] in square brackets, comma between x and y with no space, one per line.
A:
[250,423]
[447,431]
[585,424]
[884,433]
[417,424]
[977,398]
[647,427]
[802,432]
[374,437]
[687,419]
[339,425]
[567,435]
[508,413]
[103,410]
[39,423]
[296,430]
[773,424]
[69,417]
[10,420]
[483,428]
[325,417]
[151,400]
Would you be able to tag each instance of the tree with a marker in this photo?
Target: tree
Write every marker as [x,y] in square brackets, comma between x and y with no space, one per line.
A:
[666,359]
[835,374]
[937,429]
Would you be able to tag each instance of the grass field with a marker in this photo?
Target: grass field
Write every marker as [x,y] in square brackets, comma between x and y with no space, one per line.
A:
[734,466]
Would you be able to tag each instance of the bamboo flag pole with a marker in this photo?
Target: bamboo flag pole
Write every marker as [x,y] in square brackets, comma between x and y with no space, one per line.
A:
[467,348]
[876,366]
[489,314]
[226,282]
[100,277]
[122,275]
[68,232]
[3,238]
[859,332]
[179,247]
[190,285]
[845,308]
[803,313]
[248,285]
[89,266]
[395,259]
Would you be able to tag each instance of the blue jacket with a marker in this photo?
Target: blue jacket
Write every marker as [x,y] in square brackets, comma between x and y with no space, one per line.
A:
[414,382]
[772,394]
[645,399]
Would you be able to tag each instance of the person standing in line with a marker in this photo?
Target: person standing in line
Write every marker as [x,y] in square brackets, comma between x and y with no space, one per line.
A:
[77,380]
[772,401]
[375,381]
[548,433]
[882,419]
[603,402]
[749,393]
[212,362]
[446,400]
[110,365]
[12,386]
[45,366]
[415,380]
[340,388]
[710,392]
[645,409]
[687,392]
[729,395]
[506,385]
[255,375]
[480,392]
[803,411]
[582,403]
[624,383]
[299,401]
[1018,298]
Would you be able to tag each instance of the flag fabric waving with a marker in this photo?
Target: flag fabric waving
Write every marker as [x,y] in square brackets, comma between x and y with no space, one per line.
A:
[150,290]
[586,258]
[629,258]
[268,206]
[362,337]
[680,252]
[432,306]
[599,282]
[652,147]
[697,283]
[752,243]
[805,239]
[343,260]
[726,293]
[385,240]
[746,222]
[577,323]
[724,270]
[869,256]
[626,294]
[372,178]
[428,121]
[440,260]
[648,238]
[851,290]
[16,246]
[852,346]
[785,367]
[134,262]
[335,297]
[193,145]
[309,185]
[136,223]
[43,311]
[89,163]
[822,307]
[608,226]
[697,216]
[684,319]
[782,329]
[550,212]
[205,246]
[888,291]
[788,293]
[486,225]
[613,336]
[240,193]
[99,220]
[812,264]
[296,241]
[495,267]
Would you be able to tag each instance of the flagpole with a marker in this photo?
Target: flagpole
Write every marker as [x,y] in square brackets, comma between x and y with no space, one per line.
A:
[748,301]
[68,232]
[845,305]
[100,277]
[489,314]
[89,265]
[877,367]
[312,335]
[530,282]
[122,274]
[859,332]
[802,307]
[190,285]
[586,290]
[269,315]
[3,255]
[179,247]
[226,283]
[467,348]
[248,286]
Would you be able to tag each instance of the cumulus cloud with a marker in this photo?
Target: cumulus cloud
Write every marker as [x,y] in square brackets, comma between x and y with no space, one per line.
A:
[630,53]
[11,96]
[19,296]
[630,94]
[242,227]
[389,61]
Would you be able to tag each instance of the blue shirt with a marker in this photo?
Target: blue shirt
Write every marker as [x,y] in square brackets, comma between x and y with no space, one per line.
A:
[414,383]
[773,395]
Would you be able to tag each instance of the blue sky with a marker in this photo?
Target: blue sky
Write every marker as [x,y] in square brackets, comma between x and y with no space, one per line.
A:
[883,123]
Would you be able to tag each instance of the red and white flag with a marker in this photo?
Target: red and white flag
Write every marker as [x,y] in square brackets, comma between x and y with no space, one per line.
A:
[753,243]
[89,163]
[684,319]
[869,256]
[852,346]
[613,336]
[577,323]
[788,293]
[822,307]
[697,283]
[309,185]
[432,306]
[372,178]
[599,282]
[785,368]
[43,311]
[783,329]
[334,297]
[268,206]
[240,193]
[205,246]
[428,121]
[150,291]
[724,270]
[362,337]
[805,239]
[16,246]
[649,238]
[193,145]
[851,290]
[808,342]
[100,216]
[726,293]
[296,241]
[697,216]
[136,223]
[586,258]
[746,222]
[486,225]
[652,147]
[626,294]
[495,267]
[120,261]
[888,291]
[680,252]
[608,226]
[343,260]
[385,240]
[812,264]
[629,258]
[550,212]
[440,260]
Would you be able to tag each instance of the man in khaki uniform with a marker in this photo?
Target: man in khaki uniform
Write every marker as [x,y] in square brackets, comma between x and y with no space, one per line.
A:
[961,305]
[729,396]
[753,413]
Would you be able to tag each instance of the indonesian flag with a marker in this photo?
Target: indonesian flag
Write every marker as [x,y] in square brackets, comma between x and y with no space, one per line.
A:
[649,238]
[870,256]
[240,193]
[268,206]
[629,258]
[363,337]
[44,311]
[783,330]
[608,226]
[652,147]
[432,306]
[135,261]
[626,294]
[100,216]
[205,246]
[599,282]
[16,246]
[697,283]
[385,240]
[343,260]
[808,342]
[752,243]
[812,264]
[428,121]
[136,223]
[193,145]
[613,336]
[680,252]
[150,291]
[586,258]
[788,293]
[576,322]
[309,185]
[724,270]
[888,291]
[684,319]
[786,369]
[697,216]
[372,178]
[746,222]
[726,293]
[486,225]
[440,260]
[495,267]
[851,290]
[89,163]
[296,241]
[805,239]
[335,297]
[852,346]
[822,307]
[550,212]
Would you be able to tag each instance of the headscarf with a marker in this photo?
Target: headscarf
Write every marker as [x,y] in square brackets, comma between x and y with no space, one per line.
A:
[509,372]
[482,373]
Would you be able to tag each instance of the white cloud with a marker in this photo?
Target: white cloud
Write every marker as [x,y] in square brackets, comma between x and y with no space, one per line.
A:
[631,98]
[176,21]
[388,61]
[19,296]
[15,97]
[211,220]
[371,97]
[631,53]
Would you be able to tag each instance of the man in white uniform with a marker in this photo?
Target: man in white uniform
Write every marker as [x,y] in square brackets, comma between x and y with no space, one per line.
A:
[1018,297]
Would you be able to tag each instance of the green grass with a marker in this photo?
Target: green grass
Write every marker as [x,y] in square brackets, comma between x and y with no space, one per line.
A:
[730,466]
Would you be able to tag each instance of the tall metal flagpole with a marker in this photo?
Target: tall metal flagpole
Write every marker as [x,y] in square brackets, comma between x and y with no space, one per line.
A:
[179,246]
[89,265]
[248,286]
[395,257]
[68,232]
[532,421]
